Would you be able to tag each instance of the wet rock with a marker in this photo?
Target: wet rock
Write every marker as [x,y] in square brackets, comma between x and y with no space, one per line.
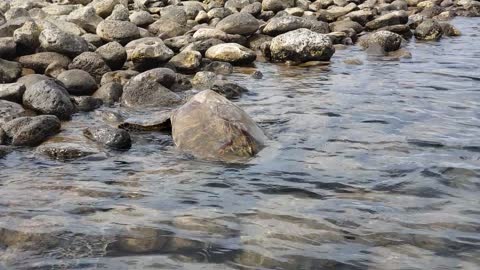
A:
[353,61]
[4,150]
[429,30]
[110,137]
[12,92]
[231,52]
[239,23]
[119,31]
[8,48]
[114,55]
[449,30]
[65,151]
[392,18]
[186,61]
[55,40]
[148,90]
[87,103]
[9,71]
[109,93]
[228,89]
[120,76]
[284,24]
[31,131]
[10,110]
[219,67]
[257,75]
[78,82]
[149,51]
[40,61]
[142,240]
[204,80]
[157,121]
[48,97]
[277,5]
[382,41]
[141,18]
[182,84]
[86,18]
[211,127]
[92,63]
[301,45]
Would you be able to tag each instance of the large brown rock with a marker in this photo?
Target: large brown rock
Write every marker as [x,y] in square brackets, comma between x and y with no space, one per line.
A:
[211,127]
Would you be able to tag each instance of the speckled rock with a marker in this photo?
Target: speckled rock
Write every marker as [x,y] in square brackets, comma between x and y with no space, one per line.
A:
[10,110]
[54,40]
[12,92]
[9,71]
[31,131]
[280,25]
[65,151]
[120,31]
[382,41]
[428,30]
[114,55]
[92,63]
[110,137]
[148,50]
[392,18]
[186,61]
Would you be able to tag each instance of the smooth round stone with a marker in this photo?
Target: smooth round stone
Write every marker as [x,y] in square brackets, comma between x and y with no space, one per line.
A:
[78,82]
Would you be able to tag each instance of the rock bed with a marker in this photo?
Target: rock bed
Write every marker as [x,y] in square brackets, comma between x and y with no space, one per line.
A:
[62,57]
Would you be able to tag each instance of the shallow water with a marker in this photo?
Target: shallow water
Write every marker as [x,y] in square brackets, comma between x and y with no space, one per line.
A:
[372,166]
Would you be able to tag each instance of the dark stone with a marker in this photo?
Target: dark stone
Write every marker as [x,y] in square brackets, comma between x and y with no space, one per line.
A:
[110,137]
[31,131]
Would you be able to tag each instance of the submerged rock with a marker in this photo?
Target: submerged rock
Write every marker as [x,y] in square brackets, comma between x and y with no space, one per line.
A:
[301,45]
[65,151]
[31,131]
[110,137]
[211,127]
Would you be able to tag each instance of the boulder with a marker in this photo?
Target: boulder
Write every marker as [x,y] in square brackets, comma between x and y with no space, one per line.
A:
[31,131]
[48,97]
[301,45]
[78,82]
[141,18]
[119,31]
[27,36]
[167,28]
[119,13]
[239,23]
[428,30]
[231,52]
[209,126]
[54,40]
[12,92]
[110,137]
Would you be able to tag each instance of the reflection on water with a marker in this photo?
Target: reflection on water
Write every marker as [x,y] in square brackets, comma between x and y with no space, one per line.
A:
[372,165]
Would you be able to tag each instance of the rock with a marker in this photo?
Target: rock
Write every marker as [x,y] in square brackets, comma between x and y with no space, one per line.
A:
[4,150]
[382,41]
[141,18]
[87,103]
[12,92]
[119,13]
[277,5]
[218,67]
[31,79]
[67,27]
[120,76]
[167,28]
[401,29]
[255,41]
[55,40]
[114,55]
[27,36]
[48,97]
[157,121]
[109,93]
[86,18]
[211,127]
[10,110]
[8,28]
[209,33]
[202,45]
[40,61]
[176,43]
[150,51]
[92,63]
[93,39]
[9,71]
[110,137]
[65,151]
[186,61]
[204,80]
[449,30]
[119,31]
[360,16]
[301,45]
[345,25]
[104,8]
[335,12]
[146,90]
[78,82]
[231,52]
[353,61]
[392,18]
[31,131]
[228,89]
[280,25]
[239,23]
[8,48]
[428,30]
[257,75]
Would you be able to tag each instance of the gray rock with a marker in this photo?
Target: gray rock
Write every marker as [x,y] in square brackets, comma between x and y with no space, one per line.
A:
[428,30]
[65,151]
[167,28]
[8,48]
[104,8]
[231,52]
[382,41]
[277,5]
[86,18]
[27,36]
[156,121]
[301,45]
[148,51]
[239,23]
[392,18]
[186,61]
[345,25]
[114,55]
[48,97]
[119,13]
[31,131]
[93,39]
[87,103]
[254,8]
[360,16]
[55,40]
[255,41]
[146,90]
[209,33]
[209,126]
[9,71]
[4,150]
[141,18]
[10,110]
[78,82]
[177,43]
[12,92]
[92,63]
[175,14]
[120,76]
[280,25]
[228,89]
[32,79]
[219,67]
[40,61]
[449,30]
[8,28]
[204,80]
[202,45]
[119,31]
[110,137]
[109,93]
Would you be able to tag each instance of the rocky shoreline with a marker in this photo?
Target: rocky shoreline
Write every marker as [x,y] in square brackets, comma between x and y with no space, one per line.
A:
[60,58]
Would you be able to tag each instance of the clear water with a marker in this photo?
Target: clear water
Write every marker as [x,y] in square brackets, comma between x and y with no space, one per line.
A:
[372,166]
